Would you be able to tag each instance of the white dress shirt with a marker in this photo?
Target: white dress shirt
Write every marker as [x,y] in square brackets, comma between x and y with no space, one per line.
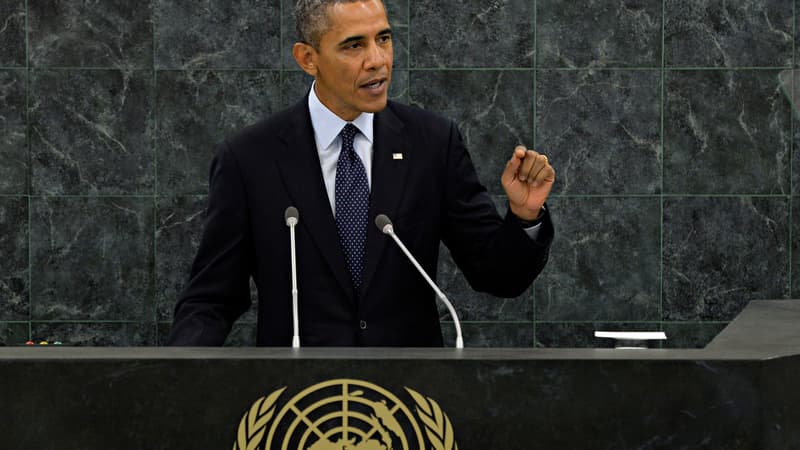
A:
[327,127]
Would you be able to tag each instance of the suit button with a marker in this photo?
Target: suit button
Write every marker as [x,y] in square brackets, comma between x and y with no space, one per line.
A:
[363,325]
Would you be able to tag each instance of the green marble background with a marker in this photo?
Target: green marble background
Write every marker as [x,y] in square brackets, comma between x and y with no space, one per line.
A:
[673,143]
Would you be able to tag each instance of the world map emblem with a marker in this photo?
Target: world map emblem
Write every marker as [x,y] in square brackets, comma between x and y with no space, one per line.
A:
[344,414]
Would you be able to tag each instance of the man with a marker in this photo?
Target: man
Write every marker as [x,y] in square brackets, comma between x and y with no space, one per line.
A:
[342,156]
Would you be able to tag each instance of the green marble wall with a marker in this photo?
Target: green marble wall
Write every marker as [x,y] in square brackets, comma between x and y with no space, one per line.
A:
[672,140]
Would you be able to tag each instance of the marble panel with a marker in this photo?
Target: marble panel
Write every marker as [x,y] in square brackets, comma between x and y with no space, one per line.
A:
[790,89]
[13,132]
[196,110]
[92,132]
[490,334]
[710,33]
[472,33]
[399,14]
[621,33]
[720,253]
[92,258]
[691,334]
[243,334]
[780,397]
[477,306]
[139,403]
[726,132]
[795,189]
[493,110]
[13,333]
[795,169]
[179,229]
[796,35]
[162,333]
[96,334]
[399,89]
[789,81]
[288,34]
[604,263]
[795,269]
[12,33]
[216,34]
[601,130]
[396,10]
[14,295]
[581,334]
[295,85]
[68,33]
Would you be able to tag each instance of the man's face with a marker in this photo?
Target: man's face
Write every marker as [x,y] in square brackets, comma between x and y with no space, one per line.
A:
[353,65]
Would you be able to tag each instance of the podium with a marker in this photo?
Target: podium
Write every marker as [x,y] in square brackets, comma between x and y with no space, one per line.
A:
[739,392]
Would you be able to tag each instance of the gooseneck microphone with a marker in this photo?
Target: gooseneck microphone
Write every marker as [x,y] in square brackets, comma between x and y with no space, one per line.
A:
[385,225]
[292,217]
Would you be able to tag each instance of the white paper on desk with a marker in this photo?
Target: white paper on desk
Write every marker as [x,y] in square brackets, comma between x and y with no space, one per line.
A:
[632,335]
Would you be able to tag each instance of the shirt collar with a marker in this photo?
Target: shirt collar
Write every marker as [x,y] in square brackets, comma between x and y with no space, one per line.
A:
[328,125]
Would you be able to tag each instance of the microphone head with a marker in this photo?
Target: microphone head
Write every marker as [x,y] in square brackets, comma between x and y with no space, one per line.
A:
[291,215]
[383,223]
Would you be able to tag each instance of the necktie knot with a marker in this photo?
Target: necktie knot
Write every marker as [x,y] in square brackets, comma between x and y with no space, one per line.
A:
[348,135]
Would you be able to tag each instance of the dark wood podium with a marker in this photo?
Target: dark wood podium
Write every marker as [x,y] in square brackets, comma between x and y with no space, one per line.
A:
[741,391]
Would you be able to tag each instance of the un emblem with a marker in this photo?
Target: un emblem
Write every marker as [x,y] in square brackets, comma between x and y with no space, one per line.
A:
[344,414]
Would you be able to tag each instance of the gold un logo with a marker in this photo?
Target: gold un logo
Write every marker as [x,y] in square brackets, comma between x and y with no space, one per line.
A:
[344,414]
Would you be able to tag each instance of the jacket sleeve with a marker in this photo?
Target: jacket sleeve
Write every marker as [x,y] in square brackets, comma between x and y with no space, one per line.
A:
[495,254]
[218,291]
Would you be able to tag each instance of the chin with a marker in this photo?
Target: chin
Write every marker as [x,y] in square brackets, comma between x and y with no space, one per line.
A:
[374,107]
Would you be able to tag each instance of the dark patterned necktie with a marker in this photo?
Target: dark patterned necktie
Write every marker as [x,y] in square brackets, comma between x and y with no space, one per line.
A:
[352,205]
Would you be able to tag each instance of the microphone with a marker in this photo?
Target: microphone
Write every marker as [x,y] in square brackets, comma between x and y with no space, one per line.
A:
[385,225]
[292,217]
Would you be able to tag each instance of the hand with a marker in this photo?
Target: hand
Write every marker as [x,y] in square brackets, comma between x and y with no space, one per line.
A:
[527,180]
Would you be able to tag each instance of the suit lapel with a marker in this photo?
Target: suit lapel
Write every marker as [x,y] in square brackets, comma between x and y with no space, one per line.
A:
[389,177]
[301,173]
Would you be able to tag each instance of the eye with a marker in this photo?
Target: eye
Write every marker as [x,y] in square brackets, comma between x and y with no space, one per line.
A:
[385,38]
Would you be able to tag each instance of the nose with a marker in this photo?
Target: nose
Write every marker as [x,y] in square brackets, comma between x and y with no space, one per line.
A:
[376,57]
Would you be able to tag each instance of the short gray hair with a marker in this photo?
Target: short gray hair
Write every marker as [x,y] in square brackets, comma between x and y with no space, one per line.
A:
[311,19]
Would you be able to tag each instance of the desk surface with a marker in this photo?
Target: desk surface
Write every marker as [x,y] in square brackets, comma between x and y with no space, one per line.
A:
[765,329]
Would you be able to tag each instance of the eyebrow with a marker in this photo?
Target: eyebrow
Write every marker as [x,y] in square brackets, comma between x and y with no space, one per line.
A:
[346,41]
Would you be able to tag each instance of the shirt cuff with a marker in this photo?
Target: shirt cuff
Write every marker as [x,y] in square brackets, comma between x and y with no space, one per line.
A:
[533,232]
[532,227]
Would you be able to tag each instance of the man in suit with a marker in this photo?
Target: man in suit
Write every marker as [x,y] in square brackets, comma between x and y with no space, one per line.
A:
[342,156]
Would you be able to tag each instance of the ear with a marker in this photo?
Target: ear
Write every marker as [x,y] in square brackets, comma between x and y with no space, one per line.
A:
[306,57]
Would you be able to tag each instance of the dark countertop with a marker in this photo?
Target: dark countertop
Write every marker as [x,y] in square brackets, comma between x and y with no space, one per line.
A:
[765,329]
[771,327]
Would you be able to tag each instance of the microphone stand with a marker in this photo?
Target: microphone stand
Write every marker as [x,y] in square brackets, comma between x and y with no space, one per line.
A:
[385,225]
[292,217]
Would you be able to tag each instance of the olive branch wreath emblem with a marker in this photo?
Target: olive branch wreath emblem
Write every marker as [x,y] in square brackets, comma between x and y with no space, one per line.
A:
[255,421]
[437,424]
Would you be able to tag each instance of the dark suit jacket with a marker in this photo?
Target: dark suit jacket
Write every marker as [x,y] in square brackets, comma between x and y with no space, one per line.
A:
[432,194]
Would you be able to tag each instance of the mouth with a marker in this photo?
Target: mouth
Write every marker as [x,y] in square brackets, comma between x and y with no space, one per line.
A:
[375,86]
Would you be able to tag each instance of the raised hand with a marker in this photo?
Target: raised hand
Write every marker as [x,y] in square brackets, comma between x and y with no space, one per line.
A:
[527,180]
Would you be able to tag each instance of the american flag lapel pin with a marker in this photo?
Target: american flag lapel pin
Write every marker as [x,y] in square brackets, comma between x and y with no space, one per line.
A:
[397,156]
